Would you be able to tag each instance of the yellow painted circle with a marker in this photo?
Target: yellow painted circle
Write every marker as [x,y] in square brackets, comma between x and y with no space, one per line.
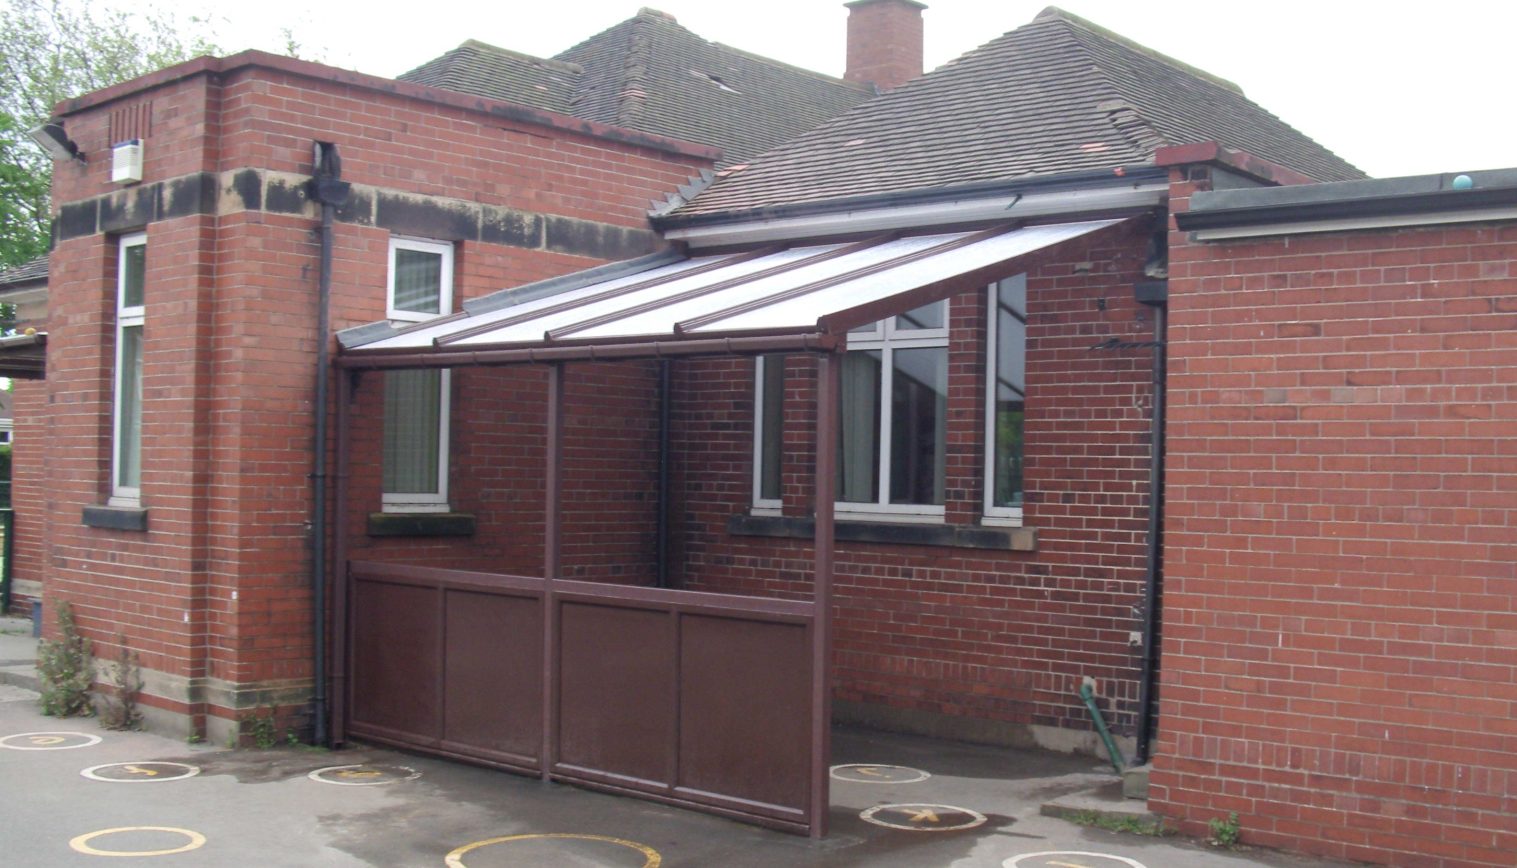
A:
[82,843]
[456,858]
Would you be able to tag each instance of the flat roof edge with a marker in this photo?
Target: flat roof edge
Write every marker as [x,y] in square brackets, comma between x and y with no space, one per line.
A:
[1378,198]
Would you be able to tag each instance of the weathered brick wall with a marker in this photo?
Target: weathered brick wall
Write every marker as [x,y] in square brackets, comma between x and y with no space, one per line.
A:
[981,635]
[1340,660]
[214,595]
[28,492]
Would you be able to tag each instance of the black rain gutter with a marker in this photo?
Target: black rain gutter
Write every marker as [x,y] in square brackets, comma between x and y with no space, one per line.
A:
[1126,176]
[1375,200]
[327,188]
[1156,295]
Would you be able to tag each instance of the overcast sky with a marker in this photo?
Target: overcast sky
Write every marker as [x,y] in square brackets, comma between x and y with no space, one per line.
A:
[1417,89]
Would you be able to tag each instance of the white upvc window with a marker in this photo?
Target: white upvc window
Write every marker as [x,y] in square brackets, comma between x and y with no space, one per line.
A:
[417,402]
[768,433]
[421,279]
[1006,393]
[894,391]
[126,411]
[893,415]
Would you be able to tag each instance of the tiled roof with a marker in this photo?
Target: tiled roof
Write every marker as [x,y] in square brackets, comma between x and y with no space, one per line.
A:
[29,272]
[484,70]
[1054,96]
[650,74]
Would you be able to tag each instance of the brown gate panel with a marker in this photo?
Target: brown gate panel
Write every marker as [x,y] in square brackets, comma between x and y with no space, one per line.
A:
[699,700]
[744,703]
[447,661]
[397,648]
[615,693]
[493,676]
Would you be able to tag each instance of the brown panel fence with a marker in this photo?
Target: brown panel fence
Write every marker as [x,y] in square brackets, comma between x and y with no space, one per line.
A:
[695,699]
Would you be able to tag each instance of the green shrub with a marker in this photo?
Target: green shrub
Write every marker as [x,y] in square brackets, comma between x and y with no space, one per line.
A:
[66,670]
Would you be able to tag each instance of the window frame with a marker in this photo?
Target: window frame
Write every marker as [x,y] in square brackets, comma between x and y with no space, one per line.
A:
[445,287]
[886,337]
[424,501]
[761,504]
[127,317]
[437,501]
[991,514]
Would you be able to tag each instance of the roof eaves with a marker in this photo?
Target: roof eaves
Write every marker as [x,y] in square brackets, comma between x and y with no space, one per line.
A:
[1127,176]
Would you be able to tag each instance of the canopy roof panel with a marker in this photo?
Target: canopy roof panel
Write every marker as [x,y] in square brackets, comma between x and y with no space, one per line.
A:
[807,294]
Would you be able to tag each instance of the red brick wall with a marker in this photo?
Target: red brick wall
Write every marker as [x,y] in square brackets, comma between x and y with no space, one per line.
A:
[884,42]
[217,588]
[992,635]
[1340,658]
[28,490]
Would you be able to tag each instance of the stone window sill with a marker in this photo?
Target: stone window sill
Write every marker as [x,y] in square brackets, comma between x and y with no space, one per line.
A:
[1015,539]
[421,524]
[116,517]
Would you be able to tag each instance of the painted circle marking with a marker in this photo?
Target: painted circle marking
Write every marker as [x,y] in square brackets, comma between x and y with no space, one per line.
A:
[455,859]
[150,772]
[364,775]
[82,843]
[868,773]
[922,817]
[49,740]
[1084,860]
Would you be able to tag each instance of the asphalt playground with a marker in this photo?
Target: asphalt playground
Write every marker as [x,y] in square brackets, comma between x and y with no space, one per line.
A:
[80,795]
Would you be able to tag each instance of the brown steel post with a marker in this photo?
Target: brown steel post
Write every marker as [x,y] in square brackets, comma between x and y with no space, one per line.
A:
[341,598]
[553,480]
[829,366]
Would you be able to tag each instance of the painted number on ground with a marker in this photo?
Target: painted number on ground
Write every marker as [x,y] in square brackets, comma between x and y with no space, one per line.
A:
[141,772]
[364,775]
[48,740]
[564,846]
[863,773]
[150,841]
[1070,859]
[923,817]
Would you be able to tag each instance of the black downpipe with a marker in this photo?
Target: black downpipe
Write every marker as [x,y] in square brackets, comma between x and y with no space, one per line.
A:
[330,190]
[1155,554]
[661,544]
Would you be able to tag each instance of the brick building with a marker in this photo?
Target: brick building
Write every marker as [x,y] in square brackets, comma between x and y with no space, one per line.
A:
[962,348]
[1340,563]
[166,491]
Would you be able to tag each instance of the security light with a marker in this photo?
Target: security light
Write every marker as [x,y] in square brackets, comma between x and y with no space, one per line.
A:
[55,141]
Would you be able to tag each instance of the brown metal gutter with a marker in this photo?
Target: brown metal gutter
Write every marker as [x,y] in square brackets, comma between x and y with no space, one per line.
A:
[650,349]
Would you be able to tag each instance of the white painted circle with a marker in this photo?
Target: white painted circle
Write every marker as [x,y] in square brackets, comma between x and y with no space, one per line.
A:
[1016,861]
[877,773]
[49,740]
[924,817]
[651,857]
[81,843]
[364,775]
[141,772]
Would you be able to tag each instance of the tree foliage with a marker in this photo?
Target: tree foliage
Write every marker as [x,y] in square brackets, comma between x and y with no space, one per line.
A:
[51,51]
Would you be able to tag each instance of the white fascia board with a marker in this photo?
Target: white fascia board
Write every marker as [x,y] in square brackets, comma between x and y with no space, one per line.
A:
[884,219]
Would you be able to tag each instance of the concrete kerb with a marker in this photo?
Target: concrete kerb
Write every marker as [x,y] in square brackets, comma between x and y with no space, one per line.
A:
[18,653]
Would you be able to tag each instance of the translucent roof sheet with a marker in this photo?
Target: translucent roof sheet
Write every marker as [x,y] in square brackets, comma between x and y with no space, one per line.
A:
[771,291]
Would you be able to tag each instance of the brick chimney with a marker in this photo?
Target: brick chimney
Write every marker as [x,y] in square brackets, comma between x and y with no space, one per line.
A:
[884,42]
